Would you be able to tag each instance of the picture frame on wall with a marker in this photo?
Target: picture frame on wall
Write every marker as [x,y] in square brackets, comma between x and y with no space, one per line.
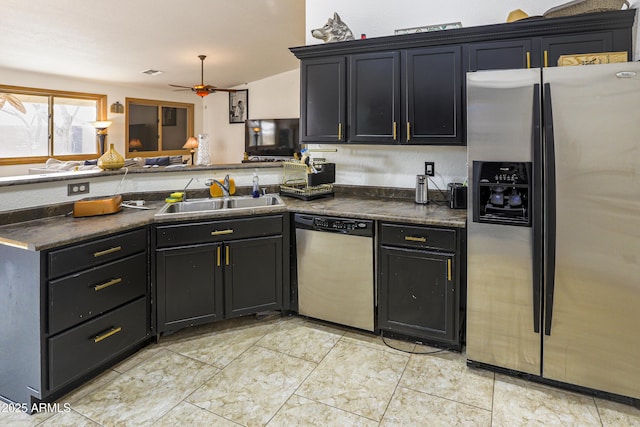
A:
[238,106]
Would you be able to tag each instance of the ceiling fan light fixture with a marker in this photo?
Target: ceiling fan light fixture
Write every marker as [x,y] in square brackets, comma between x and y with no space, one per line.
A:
[202,92]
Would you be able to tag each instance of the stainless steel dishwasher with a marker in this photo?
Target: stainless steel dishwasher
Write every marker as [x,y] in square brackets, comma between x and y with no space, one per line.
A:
[335,269]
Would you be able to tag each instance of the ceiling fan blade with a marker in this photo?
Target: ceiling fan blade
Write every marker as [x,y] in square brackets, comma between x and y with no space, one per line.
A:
[183,87]
[225,90]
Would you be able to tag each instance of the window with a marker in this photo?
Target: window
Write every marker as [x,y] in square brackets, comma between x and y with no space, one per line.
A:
[157,127]
[36,124]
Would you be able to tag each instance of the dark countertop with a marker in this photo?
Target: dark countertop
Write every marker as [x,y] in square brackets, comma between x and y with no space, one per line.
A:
[47,233]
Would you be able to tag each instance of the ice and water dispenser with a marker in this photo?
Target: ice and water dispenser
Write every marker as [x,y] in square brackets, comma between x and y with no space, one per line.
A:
[502,193]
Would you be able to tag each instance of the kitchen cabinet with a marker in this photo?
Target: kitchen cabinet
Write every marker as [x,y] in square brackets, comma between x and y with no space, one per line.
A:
[69,312]
[420,290]
[323,115]
[423,91]
[540,51]
[207,271]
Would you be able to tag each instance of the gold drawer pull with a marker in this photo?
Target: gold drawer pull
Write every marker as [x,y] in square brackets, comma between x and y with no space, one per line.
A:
[107,284]
[221,232]
[218,256]
[107,251]
[408,131]
[395,131]
[339,131]
[416,239]
[107,334]
[528,59]
[449,269]
[546,58]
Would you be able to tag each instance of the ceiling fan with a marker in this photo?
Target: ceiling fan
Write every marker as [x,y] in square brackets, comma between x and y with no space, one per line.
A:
[202,89]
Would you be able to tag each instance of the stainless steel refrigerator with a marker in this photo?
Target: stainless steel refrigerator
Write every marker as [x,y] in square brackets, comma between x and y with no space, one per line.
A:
[554,224]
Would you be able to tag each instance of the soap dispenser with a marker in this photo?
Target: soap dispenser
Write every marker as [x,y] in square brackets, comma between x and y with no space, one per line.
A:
[256,186]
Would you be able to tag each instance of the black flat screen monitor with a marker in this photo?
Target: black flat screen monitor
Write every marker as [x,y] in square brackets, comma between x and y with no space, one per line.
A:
[272,137]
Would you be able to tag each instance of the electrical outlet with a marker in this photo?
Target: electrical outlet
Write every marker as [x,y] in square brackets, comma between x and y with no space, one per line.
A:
[77,188]
[429,168]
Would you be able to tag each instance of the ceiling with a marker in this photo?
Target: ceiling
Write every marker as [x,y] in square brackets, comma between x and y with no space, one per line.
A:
[244,40]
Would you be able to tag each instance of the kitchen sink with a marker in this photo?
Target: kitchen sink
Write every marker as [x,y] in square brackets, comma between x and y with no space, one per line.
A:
[220,204]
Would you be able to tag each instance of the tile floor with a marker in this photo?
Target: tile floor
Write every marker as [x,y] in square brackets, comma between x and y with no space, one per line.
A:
[297,372]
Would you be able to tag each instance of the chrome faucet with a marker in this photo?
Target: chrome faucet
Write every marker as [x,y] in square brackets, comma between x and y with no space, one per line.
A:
[224,187]
[184,191]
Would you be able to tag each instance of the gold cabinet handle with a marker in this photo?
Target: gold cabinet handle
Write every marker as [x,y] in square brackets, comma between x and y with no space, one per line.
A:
[107,334]
[107,251]
[528,59]
[226,254]
[408,131]
[395,131]
[107,284]
[218,257]
[415,239]
[546,58]
[339,131]
[222,232]
[449,269]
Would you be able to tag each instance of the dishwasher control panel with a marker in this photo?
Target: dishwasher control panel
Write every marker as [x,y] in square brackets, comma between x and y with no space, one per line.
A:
[334,224]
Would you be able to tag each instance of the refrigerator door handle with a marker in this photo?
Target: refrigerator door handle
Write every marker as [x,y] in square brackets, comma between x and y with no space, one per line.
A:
[537,209]
[550,187]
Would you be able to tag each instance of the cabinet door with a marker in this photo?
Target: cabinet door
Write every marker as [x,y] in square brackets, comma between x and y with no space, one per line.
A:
[433,78]
[253,276]
[374,98]
[189,286]
[417,296]
[323,100]
[502,55]
[553,47]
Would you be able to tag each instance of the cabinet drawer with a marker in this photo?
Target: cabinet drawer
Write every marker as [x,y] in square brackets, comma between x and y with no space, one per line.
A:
[83,256]
[418,237]
[217,231]
[82,296]
[81,349]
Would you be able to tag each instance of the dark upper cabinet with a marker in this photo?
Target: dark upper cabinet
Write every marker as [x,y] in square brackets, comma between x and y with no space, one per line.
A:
[374,98]
[573,44]
[359,78]
[502,55]
[433,96]
[323,100]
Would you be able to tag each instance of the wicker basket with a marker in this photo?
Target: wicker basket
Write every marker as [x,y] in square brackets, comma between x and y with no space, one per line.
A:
[585,6]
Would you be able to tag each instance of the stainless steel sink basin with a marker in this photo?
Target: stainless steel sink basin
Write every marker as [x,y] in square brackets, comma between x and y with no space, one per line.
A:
[220,204]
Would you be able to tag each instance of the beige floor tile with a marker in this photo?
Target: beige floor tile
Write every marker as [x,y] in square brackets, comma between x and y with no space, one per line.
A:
[522,403]
[302,338]
[69,419]
[252,388]
[615,414]
[145,393]
[97,383]
[412,408]
[355,378]
[14,418]
[446,375]
[302,412]
[375,341]
[219,348]
[187,415]
[136,359]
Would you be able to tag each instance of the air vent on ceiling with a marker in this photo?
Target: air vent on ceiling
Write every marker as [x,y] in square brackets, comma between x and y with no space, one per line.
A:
[151,72]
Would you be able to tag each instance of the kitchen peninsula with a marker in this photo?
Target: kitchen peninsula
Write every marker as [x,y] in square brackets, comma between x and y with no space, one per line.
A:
[54,269]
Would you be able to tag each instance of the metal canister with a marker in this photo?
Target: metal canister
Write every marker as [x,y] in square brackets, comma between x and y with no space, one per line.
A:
[422,190]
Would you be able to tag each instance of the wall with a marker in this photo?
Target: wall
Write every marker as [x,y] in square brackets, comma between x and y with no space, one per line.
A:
[276,97]
[397,166]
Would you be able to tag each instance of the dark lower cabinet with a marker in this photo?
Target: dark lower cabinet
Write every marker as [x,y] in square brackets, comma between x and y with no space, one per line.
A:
[208,271]
[419,291]
[189,286]
[68,313]
[253,276]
